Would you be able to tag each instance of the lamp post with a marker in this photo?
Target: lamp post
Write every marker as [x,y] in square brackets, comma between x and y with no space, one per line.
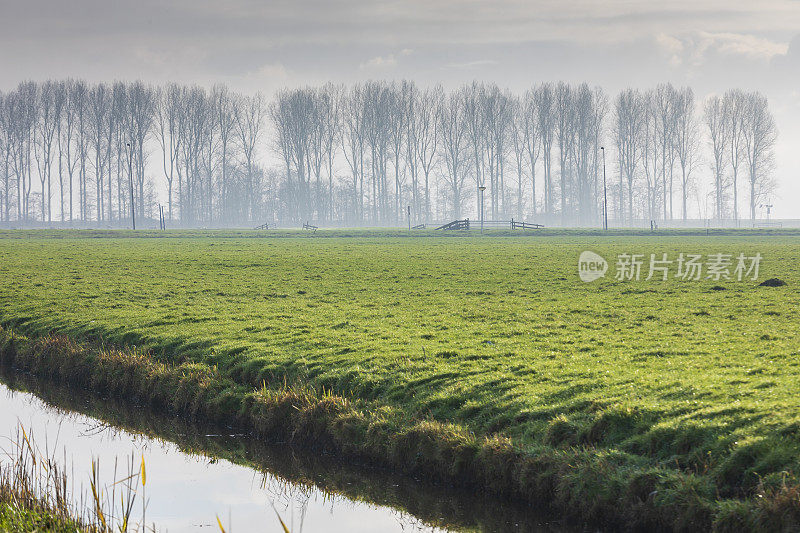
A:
[605,197]
[481,189]
[130,179]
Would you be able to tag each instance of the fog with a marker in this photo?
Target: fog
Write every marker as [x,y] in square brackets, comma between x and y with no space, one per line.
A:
[251,47]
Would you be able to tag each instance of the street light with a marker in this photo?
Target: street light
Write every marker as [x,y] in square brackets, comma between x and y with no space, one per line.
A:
[130,179]
[481,189]
[605,197]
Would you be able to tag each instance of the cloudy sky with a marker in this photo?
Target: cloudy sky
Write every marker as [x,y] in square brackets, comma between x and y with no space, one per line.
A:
[253,45]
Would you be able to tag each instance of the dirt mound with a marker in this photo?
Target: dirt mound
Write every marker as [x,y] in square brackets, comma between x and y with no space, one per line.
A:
[772,282]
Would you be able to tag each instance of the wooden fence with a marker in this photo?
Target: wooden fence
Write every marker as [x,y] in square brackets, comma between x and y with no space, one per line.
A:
[456,225]
[513,224]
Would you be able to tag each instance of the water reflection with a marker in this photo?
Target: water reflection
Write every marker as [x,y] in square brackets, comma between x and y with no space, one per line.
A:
[195,475]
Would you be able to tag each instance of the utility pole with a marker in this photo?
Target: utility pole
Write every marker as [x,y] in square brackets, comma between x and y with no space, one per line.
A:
[130,179]
[605,196]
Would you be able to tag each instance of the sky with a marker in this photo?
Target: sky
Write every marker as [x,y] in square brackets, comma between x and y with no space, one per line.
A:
[710,45]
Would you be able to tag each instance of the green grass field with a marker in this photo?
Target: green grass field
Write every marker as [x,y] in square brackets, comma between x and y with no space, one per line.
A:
[16,519]
[496,335]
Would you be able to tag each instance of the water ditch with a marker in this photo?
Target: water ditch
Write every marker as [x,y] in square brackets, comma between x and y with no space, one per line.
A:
[196,474]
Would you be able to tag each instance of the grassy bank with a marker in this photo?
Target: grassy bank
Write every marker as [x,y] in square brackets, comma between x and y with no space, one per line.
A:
[486,362]
[14,518]
[324,422]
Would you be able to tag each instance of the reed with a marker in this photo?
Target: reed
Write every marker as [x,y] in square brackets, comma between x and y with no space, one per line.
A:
[37,495]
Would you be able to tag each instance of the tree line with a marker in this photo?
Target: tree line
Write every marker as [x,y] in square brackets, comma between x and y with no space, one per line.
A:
[380,153]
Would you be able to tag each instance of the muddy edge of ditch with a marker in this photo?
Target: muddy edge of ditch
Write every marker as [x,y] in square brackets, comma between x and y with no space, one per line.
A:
[434,504]
[581,484]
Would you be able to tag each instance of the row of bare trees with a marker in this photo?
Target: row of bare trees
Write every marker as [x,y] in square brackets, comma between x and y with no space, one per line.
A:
[377,153]
[660,139]
[538,154]
[409,147]
[85,144]
[91,148]
[208,142]
[742,135]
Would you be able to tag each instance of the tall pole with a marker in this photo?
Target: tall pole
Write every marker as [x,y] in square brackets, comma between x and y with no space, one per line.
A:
[605,196]
[481,189]
[130,179]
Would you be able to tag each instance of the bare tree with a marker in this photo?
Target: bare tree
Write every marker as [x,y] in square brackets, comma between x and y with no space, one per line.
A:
[316,148]
[497,109]
[167,111]
[719,133]
[564,122]
[280,117]
[546,118]
[734,105]
[119,139]
[599,126]
[76,125]
[25,125]
[532,138]
[686,139]
[665,101]
[377,98]
[629,124]
[225,119]
[519,131]
[6,140]
[453,148]
[412,146]
[211,158]
[195,115]
[583,150]
[99,112]
[250,113]
[50,106]
[423,139]
[475,116]
[141,109]
[759,135]
[354,143]
[650,150]
[330,100]
[398,118]
[61,106]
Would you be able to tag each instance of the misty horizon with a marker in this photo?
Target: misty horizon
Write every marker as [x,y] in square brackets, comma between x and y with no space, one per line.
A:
[251,47]
[210,144]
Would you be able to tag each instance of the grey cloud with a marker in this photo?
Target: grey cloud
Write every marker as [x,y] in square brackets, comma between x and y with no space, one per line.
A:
[313,40]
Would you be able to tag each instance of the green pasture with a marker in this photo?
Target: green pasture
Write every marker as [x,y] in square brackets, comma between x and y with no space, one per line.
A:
[496,334]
